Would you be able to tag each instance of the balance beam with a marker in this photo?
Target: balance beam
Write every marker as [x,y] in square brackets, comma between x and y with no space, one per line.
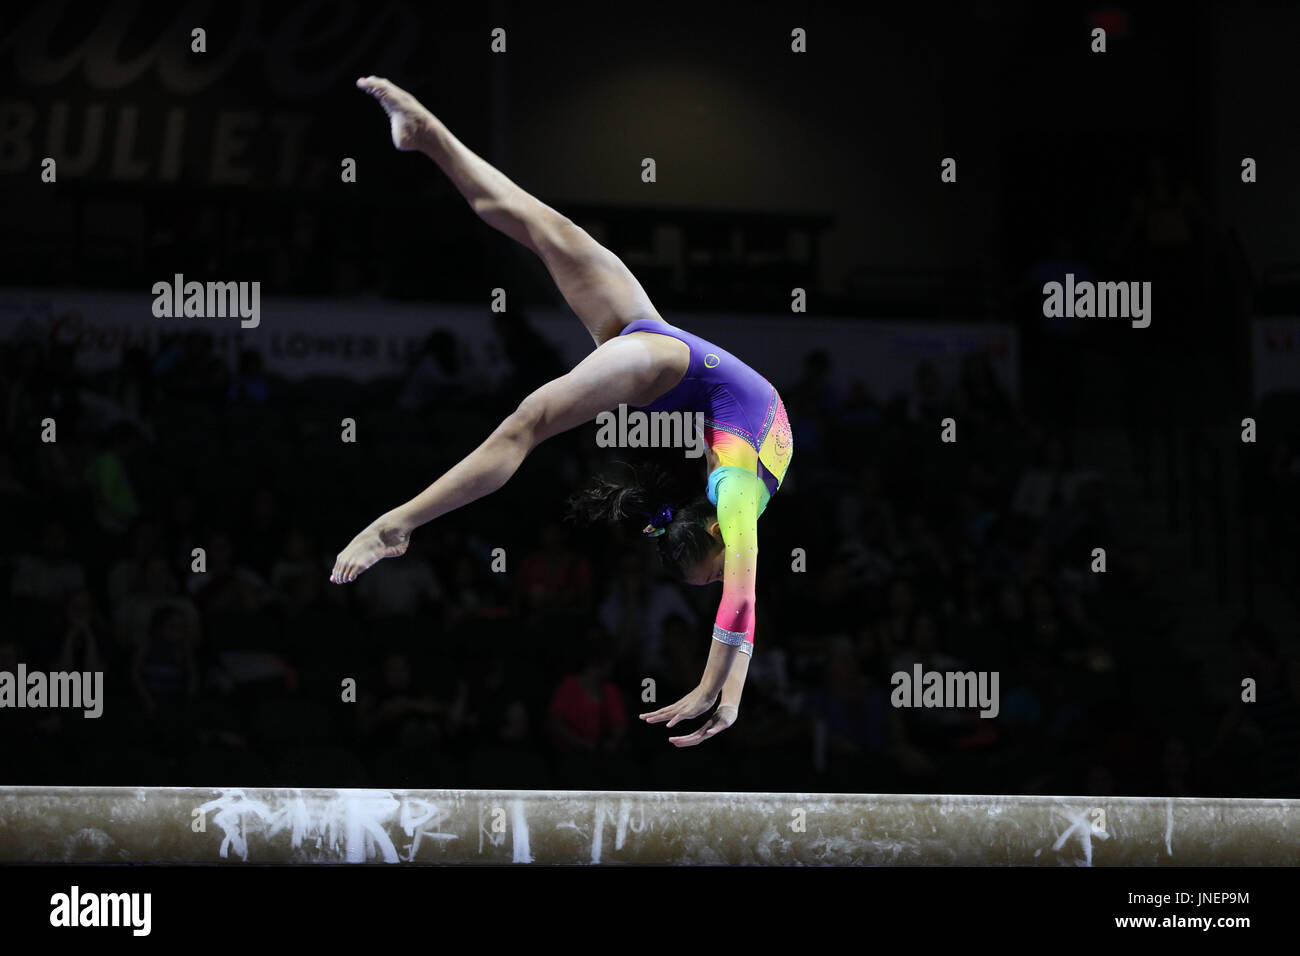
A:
[232,826]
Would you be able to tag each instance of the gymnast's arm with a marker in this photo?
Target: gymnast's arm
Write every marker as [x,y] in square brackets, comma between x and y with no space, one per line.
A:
[738,493]
[738,496]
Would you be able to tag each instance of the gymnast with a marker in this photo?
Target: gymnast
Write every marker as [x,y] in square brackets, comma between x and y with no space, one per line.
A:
[641,361]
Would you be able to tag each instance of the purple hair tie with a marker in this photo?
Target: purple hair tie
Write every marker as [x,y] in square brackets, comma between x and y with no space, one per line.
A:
[659,522]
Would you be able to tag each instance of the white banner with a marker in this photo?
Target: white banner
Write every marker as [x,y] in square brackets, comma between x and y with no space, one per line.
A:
[366,340]
[297,338]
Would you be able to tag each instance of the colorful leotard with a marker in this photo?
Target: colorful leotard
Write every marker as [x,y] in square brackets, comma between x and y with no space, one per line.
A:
[746,426]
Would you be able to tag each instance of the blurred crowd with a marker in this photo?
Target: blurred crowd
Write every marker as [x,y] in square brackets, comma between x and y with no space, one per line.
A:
[178,532]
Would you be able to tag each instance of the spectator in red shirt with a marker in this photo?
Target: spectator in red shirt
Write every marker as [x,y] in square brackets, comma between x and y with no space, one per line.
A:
[586,711]
[554,579]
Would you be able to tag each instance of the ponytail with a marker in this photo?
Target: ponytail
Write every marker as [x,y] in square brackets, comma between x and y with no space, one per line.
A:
[678,524]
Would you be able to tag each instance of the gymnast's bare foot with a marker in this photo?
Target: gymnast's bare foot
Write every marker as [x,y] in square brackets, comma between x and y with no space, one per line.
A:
[383,539]
[405,114]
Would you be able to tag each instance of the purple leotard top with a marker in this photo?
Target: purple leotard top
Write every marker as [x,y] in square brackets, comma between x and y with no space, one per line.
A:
[745,421]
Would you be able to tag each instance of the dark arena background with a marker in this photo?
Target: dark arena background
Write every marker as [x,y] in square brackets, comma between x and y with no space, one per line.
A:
[1093,513]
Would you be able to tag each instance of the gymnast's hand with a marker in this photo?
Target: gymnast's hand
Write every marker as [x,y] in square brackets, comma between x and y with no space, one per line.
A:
[722,718]
[692,705]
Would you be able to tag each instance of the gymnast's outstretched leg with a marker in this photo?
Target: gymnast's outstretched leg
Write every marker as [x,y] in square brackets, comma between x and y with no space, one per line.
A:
[593,280]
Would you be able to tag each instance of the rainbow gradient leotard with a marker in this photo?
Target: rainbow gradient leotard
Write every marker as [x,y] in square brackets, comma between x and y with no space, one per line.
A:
[746,427]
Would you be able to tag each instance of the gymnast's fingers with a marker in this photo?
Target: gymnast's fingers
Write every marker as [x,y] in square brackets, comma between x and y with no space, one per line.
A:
[690,740]
[665,713]
[714,727]
[660,715]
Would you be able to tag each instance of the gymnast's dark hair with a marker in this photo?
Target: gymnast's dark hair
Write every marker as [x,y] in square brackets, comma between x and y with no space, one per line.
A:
[639,497]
